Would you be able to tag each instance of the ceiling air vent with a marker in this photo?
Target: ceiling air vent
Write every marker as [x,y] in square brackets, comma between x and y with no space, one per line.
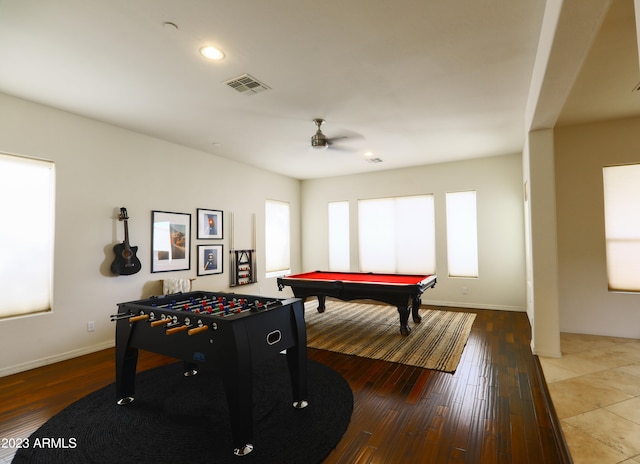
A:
[246,84]
[374,160]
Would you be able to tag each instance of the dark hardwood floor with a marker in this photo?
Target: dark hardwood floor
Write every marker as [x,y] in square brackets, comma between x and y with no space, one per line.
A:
[494,409]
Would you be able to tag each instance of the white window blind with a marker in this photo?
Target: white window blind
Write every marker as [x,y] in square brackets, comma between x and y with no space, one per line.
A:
[397,235]
[462,234]
[277,238]
[339,259]
[27,193]
[622,226]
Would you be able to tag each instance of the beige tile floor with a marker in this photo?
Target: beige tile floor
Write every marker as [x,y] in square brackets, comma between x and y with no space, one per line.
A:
[595,388]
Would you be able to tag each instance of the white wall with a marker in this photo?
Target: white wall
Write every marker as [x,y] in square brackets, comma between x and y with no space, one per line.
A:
[498,182]
[586,304]
[100,168]
[542,262]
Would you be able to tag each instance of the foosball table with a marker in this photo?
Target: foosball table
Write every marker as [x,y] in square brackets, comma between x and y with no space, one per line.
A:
[228,331]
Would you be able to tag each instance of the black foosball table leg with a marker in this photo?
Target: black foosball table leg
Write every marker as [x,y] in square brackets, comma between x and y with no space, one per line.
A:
[189,369]
[237,377]
[297,359]
[126,362]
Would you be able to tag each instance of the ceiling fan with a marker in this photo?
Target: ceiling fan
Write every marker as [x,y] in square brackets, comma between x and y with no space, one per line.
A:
[319,141]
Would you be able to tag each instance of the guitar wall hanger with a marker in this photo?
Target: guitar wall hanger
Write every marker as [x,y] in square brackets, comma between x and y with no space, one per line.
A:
[126,261]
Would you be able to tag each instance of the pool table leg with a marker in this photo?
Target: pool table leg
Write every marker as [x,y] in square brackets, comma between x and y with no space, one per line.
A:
[321,306]
[415,307]
[403,311]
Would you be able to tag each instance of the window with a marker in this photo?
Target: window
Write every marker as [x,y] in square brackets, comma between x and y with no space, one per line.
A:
[462,234]
[397,235]
[277,238]
[26,237]
[622,226]
[339,236]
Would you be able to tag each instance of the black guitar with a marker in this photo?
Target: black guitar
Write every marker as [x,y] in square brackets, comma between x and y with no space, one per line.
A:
[126,262]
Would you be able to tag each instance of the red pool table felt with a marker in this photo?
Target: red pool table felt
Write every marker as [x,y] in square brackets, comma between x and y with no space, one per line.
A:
[362,277]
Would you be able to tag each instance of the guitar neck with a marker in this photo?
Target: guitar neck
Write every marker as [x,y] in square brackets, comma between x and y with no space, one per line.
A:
[124,217]
[126,234]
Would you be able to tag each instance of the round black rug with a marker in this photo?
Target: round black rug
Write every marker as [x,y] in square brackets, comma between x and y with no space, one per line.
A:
[177,419]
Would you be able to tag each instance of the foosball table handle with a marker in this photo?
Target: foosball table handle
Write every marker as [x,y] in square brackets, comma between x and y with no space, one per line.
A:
[160,322]
[173,330]
[196,330]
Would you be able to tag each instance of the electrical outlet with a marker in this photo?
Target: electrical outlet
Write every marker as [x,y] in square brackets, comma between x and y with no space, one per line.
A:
[91,326]
[465,290]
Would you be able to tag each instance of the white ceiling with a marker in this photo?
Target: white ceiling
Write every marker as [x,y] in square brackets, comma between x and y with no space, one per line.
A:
[413,81]
[604,89]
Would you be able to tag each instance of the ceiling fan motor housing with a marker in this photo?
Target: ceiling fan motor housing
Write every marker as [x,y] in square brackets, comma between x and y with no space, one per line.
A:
[319,141]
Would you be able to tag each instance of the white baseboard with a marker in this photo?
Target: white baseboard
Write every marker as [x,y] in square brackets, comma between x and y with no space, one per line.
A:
[545,354]
[456,304]
[548,354]
[55,358]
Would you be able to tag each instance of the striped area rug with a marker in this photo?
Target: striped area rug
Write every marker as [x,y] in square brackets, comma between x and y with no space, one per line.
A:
[373,331]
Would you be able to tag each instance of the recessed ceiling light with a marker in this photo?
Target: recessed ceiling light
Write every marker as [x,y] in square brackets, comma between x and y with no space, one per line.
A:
[368,154]
[212,53]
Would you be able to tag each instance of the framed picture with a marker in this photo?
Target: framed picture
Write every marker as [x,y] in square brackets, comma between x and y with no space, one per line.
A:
[170,241]
[210,224]
[210,259]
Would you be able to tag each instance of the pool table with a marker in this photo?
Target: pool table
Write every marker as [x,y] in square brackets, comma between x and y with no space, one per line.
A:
[400,290]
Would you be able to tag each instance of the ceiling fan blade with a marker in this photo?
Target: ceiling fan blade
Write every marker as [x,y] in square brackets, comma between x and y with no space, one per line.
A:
[345,137]
[338,147]
[344,142]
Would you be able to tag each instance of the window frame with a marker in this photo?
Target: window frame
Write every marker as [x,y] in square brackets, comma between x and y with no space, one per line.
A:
[339,236]
[280,236]
[462,235]
[30,195]
[400,229]
[621,187]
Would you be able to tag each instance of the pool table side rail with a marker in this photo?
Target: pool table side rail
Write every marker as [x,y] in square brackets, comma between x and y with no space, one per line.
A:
[426,281]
